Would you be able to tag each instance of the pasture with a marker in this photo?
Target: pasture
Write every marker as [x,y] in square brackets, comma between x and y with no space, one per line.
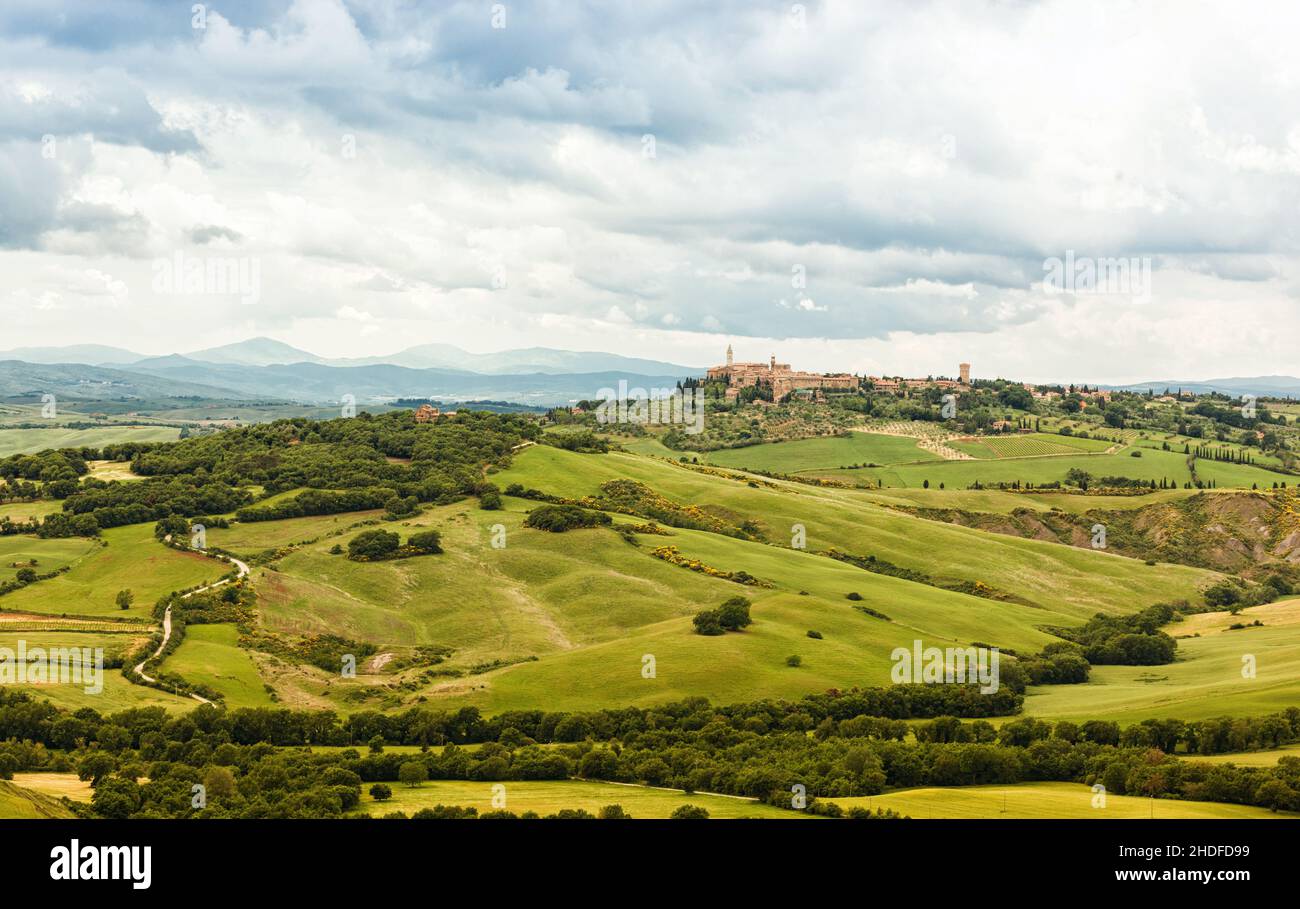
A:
[547,797]
[830,451]
[28,441]
[210,655]
[130,558]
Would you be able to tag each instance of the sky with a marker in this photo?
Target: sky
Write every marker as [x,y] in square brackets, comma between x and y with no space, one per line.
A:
[878,187]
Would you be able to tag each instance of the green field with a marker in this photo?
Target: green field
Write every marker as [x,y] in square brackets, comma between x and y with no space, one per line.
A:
[19,803]
[131,560]
[548,797]
[1152,465]
[20,512]
[27,441]
[254,537]
[1204,681]
[1027,445]
[210,655]
[828,452]
[50,555]
[1044,800]
[589,606]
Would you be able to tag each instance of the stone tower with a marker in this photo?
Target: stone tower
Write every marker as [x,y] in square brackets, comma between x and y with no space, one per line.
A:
[728,355]
[772,367]
[965,373]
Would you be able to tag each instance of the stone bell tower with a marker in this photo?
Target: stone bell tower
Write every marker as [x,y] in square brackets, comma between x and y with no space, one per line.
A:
[728,355]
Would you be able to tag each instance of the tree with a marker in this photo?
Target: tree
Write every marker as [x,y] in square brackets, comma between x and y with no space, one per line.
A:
[381,792]
[733,614]
[613,813]
[219,782]
[124,599]
[1275,795]
[412,773]
[708,623]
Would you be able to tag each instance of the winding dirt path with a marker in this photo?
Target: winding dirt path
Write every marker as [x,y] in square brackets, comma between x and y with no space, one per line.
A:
[167,623]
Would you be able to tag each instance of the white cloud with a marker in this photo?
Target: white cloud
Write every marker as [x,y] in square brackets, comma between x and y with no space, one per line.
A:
[408,169]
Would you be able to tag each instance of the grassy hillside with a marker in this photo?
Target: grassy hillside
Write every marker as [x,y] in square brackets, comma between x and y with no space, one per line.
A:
[575,614]
[1044,800]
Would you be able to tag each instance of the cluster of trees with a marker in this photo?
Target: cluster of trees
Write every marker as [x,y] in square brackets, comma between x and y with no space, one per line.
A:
[583,440]
[378,545]
[1237,595]
[732,615]
[560,518]
[368,461]
[762,749]
[318,502]
[1132,640]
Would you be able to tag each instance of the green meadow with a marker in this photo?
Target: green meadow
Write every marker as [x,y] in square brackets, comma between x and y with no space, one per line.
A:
[49,555]
[210,655]
[130,559]
[1152,465]
[28,441]
[1206,680]
[577,614]
[829,451]
[548,797]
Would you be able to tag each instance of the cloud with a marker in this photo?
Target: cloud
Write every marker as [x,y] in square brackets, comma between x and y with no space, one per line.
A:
[656,171]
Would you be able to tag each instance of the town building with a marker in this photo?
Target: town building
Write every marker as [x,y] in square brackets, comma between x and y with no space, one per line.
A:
[779,376]
[426,413]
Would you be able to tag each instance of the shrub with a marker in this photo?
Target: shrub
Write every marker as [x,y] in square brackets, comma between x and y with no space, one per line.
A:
[559,518]
[794,660]
[708,623]
[689,813]
[427,542]
[381,792]
[815,635]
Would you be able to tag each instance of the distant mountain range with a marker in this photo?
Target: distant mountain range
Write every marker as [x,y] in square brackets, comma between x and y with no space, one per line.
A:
[263,368]
[269,352]
[266,369]
[1260,386]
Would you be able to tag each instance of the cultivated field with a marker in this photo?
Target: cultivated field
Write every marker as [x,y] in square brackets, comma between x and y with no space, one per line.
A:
[1044,800]
[26,441]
